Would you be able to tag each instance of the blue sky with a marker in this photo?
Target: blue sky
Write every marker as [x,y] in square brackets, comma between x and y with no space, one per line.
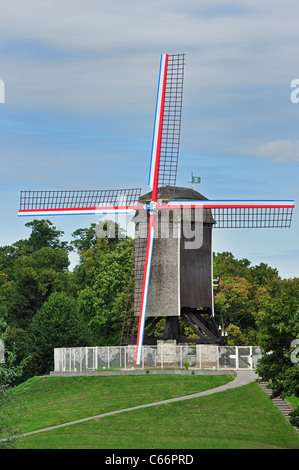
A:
[80,86]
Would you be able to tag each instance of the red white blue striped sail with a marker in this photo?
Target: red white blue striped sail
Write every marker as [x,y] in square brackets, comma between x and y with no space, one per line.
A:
[78,202]
[232,203]
[79,211]
[158,125]
[168,116]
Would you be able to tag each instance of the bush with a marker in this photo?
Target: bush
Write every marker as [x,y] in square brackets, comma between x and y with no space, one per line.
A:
[294,417]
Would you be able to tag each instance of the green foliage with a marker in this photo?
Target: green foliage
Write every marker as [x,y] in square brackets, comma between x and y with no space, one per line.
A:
[235,337]
[84,238]
[262,273]
[255,306]
[10,372]
[242,291]
[102,302]
[44,234]
[278,326]
[233,301]
[56,324]
[35,276]
[294,417]
[30,271]
[225,265]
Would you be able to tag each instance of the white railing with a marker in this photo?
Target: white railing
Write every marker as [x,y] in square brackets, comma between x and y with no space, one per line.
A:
[163,355]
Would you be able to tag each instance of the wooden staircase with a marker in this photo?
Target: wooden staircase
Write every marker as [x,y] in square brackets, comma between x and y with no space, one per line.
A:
[281,404]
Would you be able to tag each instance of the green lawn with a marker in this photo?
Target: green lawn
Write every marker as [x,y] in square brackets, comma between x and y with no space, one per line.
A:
[241,418]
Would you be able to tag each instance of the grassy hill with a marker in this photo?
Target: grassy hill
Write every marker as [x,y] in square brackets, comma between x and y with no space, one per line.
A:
[240,418]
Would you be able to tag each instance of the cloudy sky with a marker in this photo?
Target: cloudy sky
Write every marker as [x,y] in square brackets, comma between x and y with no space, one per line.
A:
[80,86]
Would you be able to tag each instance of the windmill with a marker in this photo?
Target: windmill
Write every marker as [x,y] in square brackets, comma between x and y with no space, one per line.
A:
[165,197]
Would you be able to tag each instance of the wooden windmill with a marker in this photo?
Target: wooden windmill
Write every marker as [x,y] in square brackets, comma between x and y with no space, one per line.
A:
[175,278]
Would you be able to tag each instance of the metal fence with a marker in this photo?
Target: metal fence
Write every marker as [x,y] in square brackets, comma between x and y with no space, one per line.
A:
[122,357]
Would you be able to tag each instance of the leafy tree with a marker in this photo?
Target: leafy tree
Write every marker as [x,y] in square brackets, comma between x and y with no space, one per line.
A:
[102,302]
[233,302]
[235,337]
[94,249]
[226,265]
[10,373]
[44,234]
[90,261]
[57,324]
[86,238]
[242,289]
[278,327]
[35,276]
[262,274]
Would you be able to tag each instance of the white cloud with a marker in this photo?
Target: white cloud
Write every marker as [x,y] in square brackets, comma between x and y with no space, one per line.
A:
[111,49]
[98,24]
[279,150]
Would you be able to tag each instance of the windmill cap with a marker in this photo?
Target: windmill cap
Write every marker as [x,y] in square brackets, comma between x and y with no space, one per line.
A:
[167,193]
[173,192]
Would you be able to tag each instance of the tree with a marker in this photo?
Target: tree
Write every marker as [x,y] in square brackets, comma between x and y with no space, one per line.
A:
[235,337]
[278,330]
[90,260]
[233,302]
[226,265]
[103,301]
[34,277]
[86,238]
[242,288]
[93,247]
[10,373]
[57,324]
[262,274]
[44,234]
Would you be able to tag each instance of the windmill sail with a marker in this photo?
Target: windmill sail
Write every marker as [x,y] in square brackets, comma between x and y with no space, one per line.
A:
[243,213]
[43,203]
[167,128]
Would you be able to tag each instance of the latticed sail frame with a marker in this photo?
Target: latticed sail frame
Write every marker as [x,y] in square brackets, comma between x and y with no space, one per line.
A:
[172,116]
[252,217]
[84,199]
